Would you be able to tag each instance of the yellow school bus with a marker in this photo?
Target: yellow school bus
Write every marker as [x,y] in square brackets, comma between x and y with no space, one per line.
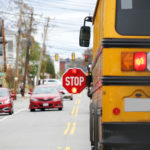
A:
[120,89]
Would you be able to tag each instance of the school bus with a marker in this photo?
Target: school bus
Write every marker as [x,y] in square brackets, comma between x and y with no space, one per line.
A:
[120,88]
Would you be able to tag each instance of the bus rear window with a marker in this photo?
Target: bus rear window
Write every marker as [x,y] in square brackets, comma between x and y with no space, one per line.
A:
[133,17]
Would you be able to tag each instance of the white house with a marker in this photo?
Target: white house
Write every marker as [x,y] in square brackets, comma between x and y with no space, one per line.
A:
[10,37]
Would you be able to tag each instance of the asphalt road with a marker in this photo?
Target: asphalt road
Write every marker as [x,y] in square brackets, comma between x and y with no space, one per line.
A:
[47,130]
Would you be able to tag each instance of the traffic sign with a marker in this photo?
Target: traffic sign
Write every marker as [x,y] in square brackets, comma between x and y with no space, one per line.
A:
[74,80]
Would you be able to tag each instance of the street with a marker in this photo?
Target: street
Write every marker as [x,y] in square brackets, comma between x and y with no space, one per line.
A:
[49,129]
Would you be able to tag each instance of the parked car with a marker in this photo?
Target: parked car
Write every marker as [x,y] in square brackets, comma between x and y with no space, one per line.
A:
[65,93]
[45,96]
[6,101]
[49,81]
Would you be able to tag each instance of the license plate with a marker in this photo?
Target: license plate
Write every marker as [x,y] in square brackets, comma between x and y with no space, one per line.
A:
[137,104]
[45,104]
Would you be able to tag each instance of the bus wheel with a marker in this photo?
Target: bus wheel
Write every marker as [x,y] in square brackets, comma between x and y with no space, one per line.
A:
[96,128]
[91,124]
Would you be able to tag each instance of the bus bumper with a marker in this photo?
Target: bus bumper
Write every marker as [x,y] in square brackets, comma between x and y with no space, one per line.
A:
[126,136]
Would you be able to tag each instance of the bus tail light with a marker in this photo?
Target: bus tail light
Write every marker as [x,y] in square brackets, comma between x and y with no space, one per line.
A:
[127,61]
[116,111]
[140,61]
[135,61]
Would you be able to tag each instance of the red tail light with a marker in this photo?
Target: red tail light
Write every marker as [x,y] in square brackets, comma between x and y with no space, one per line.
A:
[116,111]
[140,61]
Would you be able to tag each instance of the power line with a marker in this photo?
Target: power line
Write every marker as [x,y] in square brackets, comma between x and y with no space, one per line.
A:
[36,5]
[75,4]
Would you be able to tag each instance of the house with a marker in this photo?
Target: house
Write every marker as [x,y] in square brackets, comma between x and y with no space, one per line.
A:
[10,38]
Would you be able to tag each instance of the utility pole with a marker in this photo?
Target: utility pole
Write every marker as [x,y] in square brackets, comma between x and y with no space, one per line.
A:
[27,53]
[4,48]
[42,52]
[18,49]
[44,67]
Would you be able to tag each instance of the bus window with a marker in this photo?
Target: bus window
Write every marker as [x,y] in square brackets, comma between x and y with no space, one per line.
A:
[133,17]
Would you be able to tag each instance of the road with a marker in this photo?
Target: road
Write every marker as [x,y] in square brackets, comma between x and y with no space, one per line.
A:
[47,130]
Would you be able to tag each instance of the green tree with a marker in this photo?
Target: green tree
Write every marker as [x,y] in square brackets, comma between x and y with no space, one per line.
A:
[34,58]
[49,66]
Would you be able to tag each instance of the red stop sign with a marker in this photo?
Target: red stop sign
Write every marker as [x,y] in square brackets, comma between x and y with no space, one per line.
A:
[74,80]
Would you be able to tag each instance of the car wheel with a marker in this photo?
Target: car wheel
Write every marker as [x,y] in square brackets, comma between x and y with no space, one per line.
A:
[42,109]
[11,112]
[32,110]
[60,108]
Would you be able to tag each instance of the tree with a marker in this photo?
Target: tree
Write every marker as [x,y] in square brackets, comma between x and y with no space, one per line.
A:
[49,66]
[10,75]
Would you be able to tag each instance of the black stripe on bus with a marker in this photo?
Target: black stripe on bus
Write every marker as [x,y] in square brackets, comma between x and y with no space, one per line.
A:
[125,80]
[126,43]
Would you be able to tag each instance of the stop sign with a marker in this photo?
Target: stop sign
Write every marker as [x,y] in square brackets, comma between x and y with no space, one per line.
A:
[74,80]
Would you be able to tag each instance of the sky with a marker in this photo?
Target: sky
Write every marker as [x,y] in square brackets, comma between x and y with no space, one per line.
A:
[66,18]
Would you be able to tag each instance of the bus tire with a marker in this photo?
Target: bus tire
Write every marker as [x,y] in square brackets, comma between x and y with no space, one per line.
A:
[96,127]
[91,124]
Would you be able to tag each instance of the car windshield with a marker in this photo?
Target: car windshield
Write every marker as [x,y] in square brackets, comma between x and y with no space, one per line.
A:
[4,93]
[52,81]
[45,90]
[60,87]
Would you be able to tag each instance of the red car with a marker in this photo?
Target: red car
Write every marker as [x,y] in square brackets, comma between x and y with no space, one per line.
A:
[45,96]
[6,101]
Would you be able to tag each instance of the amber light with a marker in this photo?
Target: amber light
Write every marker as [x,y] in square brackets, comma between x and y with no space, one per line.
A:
[74,90]
[140,61]
[127,61]
[116,111]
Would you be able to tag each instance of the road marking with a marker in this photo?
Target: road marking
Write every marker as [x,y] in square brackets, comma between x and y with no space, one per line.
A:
[17,112]
[67,129]
[73,110]
[73,128]
[67,148]
[59,147]
[77,110]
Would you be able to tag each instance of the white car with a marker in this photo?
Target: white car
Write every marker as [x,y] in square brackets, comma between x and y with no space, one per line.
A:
[49,81]
[65,93]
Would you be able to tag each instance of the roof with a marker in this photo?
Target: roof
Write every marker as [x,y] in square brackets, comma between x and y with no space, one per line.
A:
[47,85]
[96,10]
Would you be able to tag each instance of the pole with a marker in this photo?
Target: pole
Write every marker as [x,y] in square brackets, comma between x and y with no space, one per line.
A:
[42,52]
[44,67]
[27,53]
[4,48]
[18,49]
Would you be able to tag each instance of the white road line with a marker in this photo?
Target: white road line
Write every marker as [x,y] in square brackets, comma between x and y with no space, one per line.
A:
[17,112]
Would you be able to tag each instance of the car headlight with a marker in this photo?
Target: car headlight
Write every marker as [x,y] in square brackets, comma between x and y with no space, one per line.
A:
[33,99]
[57,98]
[7,101]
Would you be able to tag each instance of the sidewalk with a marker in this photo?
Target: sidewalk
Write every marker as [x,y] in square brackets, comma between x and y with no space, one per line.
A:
[20,97]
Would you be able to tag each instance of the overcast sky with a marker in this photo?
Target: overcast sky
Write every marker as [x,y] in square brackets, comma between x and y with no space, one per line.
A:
[66,18]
